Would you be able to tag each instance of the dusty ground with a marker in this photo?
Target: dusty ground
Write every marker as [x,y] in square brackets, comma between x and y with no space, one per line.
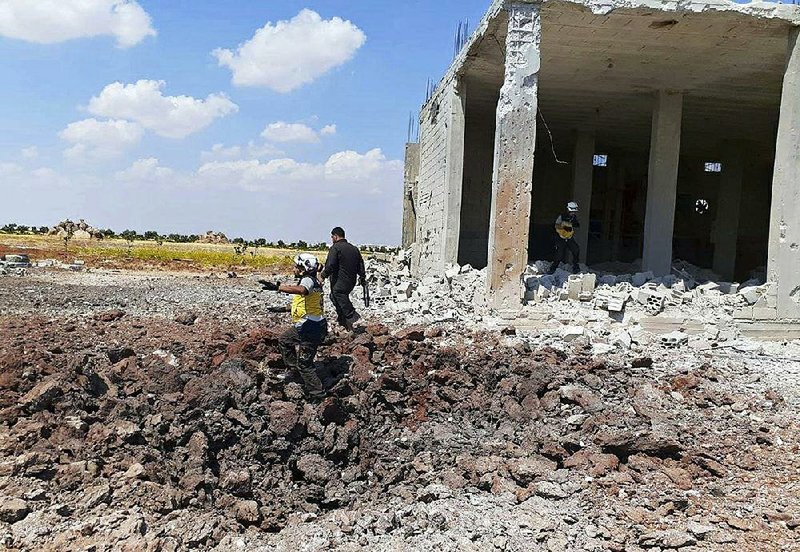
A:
[142,412]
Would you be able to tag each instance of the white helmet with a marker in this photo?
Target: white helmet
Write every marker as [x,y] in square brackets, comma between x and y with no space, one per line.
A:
[307,262]
[572,207]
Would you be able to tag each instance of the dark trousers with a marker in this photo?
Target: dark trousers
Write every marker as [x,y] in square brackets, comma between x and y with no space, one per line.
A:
[345,311]
[562,246]
[298,348]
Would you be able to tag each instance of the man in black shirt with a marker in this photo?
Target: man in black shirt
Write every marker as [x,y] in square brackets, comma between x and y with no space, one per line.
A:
[343,266]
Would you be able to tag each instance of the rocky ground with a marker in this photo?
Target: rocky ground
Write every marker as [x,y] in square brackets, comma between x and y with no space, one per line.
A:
[143,412]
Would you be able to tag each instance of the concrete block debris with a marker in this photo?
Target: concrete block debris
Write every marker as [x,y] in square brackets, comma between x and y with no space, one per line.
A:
[674,340]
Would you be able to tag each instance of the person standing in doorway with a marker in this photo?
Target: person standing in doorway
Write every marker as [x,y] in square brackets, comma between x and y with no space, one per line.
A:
[344,267]
[566,224]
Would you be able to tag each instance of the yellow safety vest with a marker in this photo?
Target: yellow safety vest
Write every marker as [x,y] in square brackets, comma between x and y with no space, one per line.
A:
[308,307]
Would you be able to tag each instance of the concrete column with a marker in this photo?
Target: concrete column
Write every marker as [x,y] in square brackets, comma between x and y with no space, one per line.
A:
[582,172]
[662,182]
[515,142]
[410,181]
[726,226]
[454,170]
[619,205]
[783,265]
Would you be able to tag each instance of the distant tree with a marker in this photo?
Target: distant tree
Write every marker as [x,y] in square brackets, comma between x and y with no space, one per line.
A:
[260,242]
[280,244]
[151,235]
[129,236]
[302,245]
[108,233]
[43,229]
[69,231]
[9,229]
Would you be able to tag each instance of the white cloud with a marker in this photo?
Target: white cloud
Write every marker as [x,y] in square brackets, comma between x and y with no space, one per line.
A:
[10,169]
[358,192]
[51,21]
[343,172]
[145,170]
[17,177]
[367,171]
[170,116]
[289,54]
[253,175]
[220,152]
[30,153]
[93,139]
[295,132]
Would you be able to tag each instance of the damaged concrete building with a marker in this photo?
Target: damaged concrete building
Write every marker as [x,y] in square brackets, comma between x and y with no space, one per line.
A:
[674,125]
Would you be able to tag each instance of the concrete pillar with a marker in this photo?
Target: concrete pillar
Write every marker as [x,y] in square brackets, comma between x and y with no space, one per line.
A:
[515,142]
[410,182]
[619,205]
[582,173]
[662,182]
[783,265]
[729,199]
[454,171]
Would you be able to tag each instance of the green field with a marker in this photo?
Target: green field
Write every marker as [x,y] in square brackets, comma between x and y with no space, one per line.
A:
[120,252]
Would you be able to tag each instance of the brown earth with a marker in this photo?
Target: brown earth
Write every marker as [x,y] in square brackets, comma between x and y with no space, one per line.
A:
[122,432]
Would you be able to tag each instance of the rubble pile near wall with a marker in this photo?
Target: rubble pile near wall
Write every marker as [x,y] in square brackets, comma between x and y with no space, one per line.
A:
[458,294]
[130,433]
[690,289]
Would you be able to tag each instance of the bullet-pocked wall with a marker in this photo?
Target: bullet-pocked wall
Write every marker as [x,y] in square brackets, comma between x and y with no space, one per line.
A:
[661,94]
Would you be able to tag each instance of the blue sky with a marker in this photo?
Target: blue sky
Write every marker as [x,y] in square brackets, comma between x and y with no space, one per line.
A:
[251,148]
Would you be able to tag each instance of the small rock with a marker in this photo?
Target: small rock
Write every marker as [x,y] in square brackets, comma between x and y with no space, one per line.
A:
[110,316]
[187,318]
[548,489]
[13,509]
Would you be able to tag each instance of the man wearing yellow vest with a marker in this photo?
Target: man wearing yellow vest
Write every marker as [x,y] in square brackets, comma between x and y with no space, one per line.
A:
[309,328]
[566,224]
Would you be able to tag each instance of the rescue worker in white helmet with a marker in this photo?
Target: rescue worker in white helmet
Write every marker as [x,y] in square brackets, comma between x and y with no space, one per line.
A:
[299,343]
[566,224]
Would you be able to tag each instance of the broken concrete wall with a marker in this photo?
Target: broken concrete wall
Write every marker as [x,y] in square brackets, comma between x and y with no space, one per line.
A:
[515,145]
[784,234]
[410,194]
[432,186]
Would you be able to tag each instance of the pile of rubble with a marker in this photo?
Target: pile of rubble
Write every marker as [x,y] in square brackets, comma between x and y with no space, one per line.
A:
[17,265]
[80,230]
[459,294]
[213,237]
[688,286]
[128,433]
